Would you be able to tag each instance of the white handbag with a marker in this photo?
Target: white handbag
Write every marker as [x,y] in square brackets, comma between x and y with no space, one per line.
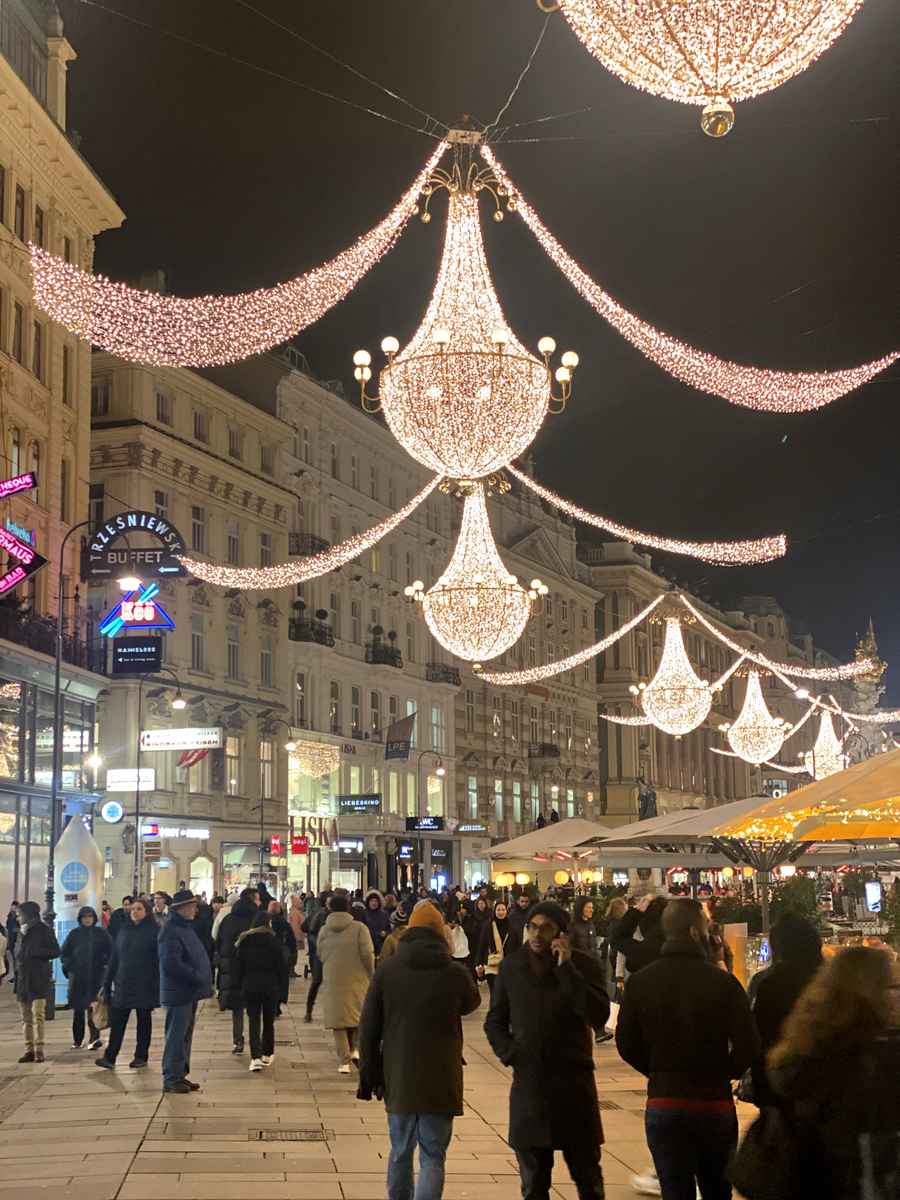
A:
[459,945]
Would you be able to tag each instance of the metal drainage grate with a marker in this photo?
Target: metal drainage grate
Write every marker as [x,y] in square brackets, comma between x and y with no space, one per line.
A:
[308,1134]
[607,1105]
[285,1041]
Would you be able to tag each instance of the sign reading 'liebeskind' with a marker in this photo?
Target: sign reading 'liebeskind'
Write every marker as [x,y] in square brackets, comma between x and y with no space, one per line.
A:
[103,561]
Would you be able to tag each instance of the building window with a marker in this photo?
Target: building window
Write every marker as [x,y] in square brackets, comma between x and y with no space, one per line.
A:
[163,408]
[265,548]
[393,709]
[67,249]
[161,504]
[376,560]
[15,451]
[393,792]
[266,664]
[64,490]
[335,462]
[304,445]
[100,392]
[233,544]
[532,651]
[198,643]
[355,622]
[534,726]
[266,770]
[300,699]
[18,338]
[410,710]
[496,716]
[355,781]
[570,802]
[354,472]
[3,194]
[201,425]
[392,562]
[470,710]
[95,503]
[235,443]
[535,799]
[334,608]
[437,728]
[335,526]
[233,766]
[267,460]
[472,796]
[34,465]
[570,740]
[233,649]
[67,374]
[563,610]
[410,642]
[38,225]
[19,216]
[392,493]
[410,567]
[373,481]
[411,798]
[355,711]
[498,799]
[514,720]
[375,713]
[517,801]
[198,528]
[335,723]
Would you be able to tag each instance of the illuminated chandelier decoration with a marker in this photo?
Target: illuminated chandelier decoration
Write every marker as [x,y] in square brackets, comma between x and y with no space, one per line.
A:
[755,735]
[749,387]
[316,759]
[477,609]
[146,327]
[827,755]
[464,397]
[708,52]
[676,700]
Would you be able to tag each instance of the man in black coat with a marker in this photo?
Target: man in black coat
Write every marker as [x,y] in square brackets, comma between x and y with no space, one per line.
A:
[686,1024]
[410,1038]
[36,946]
[518,918]
[547,999]
[237,922]
[119,918]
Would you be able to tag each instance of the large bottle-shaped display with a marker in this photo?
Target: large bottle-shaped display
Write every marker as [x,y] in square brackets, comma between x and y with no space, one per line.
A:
[79,882]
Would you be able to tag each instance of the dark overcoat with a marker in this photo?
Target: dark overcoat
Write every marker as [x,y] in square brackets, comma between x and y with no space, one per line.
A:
[36,945]
[132,977]
[540,1024]
[84,956]
[237,922]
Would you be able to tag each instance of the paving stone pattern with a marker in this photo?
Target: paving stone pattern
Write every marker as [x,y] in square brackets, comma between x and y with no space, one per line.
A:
[69,1127]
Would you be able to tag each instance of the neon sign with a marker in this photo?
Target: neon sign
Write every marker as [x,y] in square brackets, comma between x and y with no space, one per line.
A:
[25,559]
[137,610]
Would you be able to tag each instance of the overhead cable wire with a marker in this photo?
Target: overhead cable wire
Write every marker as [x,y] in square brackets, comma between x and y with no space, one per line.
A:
[244,62]
[300,37]
[512,95]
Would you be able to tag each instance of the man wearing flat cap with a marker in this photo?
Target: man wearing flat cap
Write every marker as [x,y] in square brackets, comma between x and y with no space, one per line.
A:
[548,998]
[185,977]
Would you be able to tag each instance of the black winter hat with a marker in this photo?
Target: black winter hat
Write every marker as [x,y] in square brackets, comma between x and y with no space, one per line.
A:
[555,912]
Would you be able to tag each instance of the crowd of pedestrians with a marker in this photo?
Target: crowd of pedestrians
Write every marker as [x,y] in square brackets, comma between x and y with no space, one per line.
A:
[814,1042]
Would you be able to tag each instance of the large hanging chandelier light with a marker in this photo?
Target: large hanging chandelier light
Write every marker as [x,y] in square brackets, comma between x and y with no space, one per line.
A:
[464,397]
[827,755]
[477,609]
[755,735]
[708,52]
[315,759]
[676,700]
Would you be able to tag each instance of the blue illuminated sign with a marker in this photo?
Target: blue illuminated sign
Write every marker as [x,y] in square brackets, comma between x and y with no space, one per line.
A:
[137,610]
[23,534]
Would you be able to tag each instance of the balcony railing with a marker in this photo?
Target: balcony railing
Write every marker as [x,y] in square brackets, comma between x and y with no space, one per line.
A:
[382,655]
[441,673]
[39,633]
[543,750]
[306,543]
[310,631]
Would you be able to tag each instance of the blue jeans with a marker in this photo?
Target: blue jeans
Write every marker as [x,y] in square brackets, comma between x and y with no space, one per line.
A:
[176,1060]
[432,1132]
[689,1147]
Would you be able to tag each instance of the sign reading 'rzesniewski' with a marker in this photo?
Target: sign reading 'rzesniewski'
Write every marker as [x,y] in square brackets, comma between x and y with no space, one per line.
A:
[104,561]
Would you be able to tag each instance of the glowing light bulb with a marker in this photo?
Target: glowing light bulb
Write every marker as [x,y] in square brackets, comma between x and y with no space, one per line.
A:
[546,346]
[570,359]
[362,358]
[390,345]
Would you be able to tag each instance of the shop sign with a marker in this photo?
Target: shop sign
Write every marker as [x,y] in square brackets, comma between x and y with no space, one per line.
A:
[471,827]
[369,802]
[126,780]
[103,562]
[19,531]
[320,832]
[190,738]
[424,824]
[18,483]
[275,846]
[405,851]
[299,844]
[139,609]
[437,852]
[153,829]
[74,741]
[136,656]
[348,847]
[112,812]
[25,559]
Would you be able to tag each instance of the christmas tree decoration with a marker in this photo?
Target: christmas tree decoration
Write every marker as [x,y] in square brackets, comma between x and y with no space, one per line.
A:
[726,554]
[755,735]
[157,330]
[708,52]
[749,387]
[464,397]
[675,699]
[477,609]
[310,567]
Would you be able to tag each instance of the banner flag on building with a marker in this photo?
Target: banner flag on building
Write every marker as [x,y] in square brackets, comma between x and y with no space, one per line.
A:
[187,759]
[399,737]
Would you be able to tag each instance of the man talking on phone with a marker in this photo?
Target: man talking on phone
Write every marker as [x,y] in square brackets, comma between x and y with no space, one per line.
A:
[548,998]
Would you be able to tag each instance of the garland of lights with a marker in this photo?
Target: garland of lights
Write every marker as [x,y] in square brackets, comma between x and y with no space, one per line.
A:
[750,387]
[155,330]
[708,51]
[533,674]
[722,553]
[288,573]
[845,671]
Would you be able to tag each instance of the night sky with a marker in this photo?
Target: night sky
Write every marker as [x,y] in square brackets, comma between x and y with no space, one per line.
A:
[775,246]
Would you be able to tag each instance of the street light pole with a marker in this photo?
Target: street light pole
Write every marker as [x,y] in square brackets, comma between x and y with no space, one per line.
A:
[290,746]
[441,772]
[138,844]
[56,771]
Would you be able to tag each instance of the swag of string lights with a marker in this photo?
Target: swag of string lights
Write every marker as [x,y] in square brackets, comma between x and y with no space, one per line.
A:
[707,52]
[145,327]
[749,387]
